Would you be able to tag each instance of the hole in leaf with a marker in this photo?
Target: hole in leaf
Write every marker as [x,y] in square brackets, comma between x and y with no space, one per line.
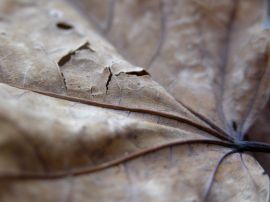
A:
[140,73]
[234,125]
[64,25]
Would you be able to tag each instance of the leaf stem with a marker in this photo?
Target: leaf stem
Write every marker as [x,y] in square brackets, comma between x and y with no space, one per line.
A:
[253,146]
[211,131]
[87,170]
[212,176]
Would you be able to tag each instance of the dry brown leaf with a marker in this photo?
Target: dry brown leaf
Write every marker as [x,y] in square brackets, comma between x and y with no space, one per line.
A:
[214,53]
[104,130]
[260,132]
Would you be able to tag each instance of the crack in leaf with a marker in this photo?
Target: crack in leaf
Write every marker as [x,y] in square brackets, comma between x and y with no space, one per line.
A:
[109,79]
[137,73]
[66,58]
[64,80]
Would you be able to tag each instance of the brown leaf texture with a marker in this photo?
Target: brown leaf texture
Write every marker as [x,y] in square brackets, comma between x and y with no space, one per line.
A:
[259,131]
[81,120]
[215,53]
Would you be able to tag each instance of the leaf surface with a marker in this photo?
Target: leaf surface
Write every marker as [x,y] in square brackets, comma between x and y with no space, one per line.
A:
[81,123]
[211,56]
